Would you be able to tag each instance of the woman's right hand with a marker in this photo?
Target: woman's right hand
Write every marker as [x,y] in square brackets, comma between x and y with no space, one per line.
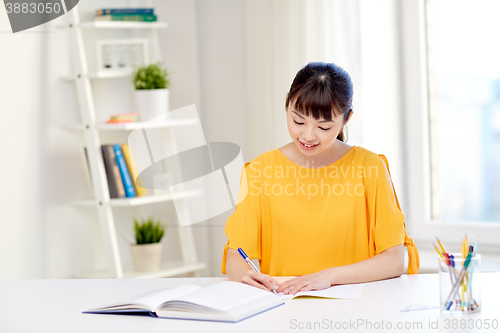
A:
[238,270]
[259,280]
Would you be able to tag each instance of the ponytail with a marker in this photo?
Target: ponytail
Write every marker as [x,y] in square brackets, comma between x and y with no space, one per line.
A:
[340,137]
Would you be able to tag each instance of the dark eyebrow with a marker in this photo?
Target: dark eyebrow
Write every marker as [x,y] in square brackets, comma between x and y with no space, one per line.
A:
[319,121]
[298,114]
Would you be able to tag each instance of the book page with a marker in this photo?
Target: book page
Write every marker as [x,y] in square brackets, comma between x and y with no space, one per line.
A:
[223,296]
[156,298]
[342,291]
[150,300]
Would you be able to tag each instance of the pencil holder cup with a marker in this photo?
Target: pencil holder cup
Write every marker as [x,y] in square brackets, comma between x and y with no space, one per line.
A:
[460,284]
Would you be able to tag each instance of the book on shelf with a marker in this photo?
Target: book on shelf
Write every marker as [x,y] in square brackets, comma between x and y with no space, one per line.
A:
[119,121]
[115,181]
[124,172]
[224,301]
[122,118]
[118,164]
[114,11]
[131,167]
[126,17]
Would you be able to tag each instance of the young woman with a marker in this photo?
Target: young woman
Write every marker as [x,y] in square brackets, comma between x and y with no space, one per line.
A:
[317,208]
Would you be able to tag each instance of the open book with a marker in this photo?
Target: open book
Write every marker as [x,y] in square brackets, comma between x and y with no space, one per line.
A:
[223,301]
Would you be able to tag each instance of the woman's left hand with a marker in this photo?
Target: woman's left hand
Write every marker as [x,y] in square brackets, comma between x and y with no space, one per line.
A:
[315,281]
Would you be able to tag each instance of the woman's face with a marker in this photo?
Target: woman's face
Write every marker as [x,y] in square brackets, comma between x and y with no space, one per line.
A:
[312,136]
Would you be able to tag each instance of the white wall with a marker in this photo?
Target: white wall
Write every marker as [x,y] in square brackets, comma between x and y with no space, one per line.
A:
[21,148]
[181,51]
[223,77]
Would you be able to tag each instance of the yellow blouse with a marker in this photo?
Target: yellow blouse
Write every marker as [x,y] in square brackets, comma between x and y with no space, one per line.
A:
[298,220]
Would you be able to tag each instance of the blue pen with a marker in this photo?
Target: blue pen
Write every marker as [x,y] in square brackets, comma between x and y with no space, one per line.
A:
[245,257]
[452,263]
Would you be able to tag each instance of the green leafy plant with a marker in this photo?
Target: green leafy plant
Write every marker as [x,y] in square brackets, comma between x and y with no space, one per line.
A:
[148,231]
[154,76]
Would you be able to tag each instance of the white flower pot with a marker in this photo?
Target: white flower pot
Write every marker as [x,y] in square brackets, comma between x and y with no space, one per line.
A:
[146,257]
[151,103]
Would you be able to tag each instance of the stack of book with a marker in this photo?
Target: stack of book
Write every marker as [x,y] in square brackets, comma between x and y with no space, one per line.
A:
[122,118]
[125,14]
[118,163]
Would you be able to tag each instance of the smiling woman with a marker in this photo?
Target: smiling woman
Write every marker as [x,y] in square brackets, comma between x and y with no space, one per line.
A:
[346,228]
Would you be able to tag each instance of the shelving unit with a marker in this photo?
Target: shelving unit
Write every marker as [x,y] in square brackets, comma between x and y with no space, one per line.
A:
[138,201]
[122,25]
[166,269]
[91,128]
[101,75]
[135,125]
[117,25]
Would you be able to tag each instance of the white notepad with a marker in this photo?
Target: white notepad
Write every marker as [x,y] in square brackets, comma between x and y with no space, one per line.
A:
[341,291]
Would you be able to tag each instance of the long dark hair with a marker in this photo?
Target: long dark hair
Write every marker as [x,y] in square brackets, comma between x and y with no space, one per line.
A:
[320,90]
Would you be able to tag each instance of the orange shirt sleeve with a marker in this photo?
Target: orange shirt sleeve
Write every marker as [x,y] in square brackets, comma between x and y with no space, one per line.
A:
[389,227]
[243,228]
[413,255]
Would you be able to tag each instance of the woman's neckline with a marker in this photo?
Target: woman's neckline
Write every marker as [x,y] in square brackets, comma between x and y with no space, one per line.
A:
[325,166]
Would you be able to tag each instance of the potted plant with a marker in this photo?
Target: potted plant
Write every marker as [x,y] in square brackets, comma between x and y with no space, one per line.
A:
[146,253]
[151,90]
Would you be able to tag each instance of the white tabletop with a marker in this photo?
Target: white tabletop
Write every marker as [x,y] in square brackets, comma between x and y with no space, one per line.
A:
[56,306]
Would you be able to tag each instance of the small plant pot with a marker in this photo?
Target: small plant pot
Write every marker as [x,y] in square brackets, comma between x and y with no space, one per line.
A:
[151,103]
[146,257]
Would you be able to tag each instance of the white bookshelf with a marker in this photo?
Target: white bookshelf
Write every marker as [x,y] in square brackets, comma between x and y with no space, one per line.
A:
[167,269]
[82,78]
[138,201]
[100,75]
[114,25]
[122,25]
[135,125]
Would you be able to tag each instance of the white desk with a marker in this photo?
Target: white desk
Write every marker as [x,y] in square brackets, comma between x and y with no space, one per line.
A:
[55,306]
